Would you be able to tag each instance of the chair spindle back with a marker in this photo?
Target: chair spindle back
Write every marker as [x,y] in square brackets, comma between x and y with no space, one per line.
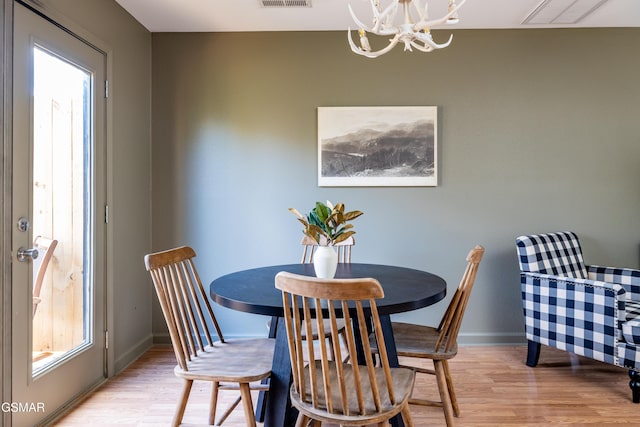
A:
[184,302]
[339,388]
[452,319]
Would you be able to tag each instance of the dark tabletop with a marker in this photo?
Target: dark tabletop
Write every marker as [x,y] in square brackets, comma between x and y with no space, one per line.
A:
[254,290]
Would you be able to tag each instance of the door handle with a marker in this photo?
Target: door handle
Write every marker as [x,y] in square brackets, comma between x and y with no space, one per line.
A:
[24,255]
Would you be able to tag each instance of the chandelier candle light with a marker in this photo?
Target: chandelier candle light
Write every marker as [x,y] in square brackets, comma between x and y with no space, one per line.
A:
[413,34]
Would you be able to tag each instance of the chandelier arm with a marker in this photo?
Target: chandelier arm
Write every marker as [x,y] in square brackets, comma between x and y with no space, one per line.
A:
[423,15]
[376,28]
[375,54]
[388,15]
[354,48]
[358,22]
[387,32]
[421,47]
[428,40]
[390,18]
[423,23]
[378,18]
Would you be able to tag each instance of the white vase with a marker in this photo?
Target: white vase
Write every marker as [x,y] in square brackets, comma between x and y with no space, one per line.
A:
[325,262]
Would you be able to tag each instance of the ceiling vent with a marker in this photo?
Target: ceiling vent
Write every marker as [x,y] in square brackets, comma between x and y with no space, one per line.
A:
[285,3]
[562,11]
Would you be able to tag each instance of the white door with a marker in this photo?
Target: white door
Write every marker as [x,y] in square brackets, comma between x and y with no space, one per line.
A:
[58,306]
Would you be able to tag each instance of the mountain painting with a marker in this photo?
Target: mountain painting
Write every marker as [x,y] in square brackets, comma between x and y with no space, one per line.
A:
[377,146]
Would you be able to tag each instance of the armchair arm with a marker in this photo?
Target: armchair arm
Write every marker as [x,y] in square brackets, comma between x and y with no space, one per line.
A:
[627,277]
[582,316]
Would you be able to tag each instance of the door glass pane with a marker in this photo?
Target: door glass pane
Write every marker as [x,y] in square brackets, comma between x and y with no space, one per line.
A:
[61,209]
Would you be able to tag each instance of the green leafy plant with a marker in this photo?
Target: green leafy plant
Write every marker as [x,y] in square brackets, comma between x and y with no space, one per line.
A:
[327,224]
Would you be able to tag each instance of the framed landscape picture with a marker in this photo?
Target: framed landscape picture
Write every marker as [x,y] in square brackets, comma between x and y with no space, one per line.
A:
[377,146]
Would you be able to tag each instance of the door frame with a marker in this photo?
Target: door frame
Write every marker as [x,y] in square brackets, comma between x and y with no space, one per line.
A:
[6,142]
[6,120]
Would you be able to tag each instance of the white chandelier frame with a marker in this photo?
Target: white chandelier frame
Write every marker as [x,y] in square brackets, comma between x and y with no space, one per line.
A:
[413,34]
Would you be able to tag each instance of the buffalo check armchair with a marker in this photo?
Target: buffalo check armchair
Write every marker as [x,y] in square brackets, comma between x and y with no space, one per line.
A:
[591,311]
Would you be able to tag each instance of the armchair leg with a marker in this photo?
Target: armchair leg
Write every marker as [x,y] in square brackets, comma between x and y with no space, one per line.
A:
[635,385]
[533,353]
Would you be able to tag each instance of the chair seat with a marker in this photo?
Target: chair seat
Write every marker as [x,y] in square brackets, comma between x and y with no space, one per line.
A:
[244,360]
[419,341]
[403,380]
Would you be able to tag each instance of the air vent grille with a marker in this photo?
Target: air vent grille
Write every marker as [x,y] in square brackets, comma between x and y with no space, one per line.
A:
[562,11]
[285,3]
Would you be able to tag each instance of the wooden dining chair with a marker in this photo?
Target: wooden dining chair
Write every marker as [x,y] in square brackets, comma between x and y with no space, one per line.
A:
[45,248]
[439,344]
[189,318]
[343,248]
[326,389]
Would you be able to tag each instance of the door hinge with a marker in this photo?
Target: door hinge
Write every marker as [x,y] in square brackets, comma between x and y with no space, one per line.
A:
[106,88]
[106,214]
[106,339]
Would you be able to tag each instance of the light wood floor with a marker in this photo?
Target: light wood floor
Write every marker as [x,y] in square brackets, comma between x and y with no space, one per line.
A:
[493,385]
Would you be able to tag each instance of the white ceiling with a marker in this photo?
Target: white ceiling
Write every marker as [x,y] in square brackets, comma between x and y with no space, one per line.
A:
[249,15]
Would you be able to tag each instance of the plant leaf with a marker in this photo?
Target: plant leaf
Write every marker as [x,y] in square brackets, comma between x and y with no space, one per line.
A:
[296,213]
[322,210]
[315,232]
[315,219]
[304,222]
[343,236]
[352,215]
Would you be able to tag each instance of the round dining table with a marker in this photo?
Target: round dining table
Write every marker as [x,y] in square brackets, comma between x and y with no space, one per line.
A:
[254,291]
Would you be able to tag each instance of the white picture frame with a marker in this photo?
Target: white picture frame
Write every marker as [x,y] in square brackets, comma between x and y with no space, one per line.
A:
[377,146]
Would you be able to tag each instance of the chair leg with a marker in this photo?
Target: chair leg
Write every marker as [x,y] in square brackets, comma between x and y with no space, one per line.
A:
[302,420]
[214,403]
[533,353]
[406,417]
[182,405]
[452,393]
[635,385]
[444,392]
[247,404]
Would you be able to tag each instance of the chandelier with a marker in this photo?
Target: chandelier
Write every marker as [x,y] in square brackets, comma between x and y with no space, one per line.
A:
[414,34]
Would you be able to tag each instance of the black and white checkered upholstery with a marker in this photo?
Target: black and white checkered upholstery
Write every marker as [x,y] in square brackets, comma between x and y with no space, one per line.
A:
[627,277]
[592,311]
[631,331]
[558,254]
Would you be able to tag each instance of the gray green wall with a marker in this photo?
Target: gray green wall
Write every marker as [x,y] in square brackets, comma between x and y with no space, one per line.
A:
[539,131]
